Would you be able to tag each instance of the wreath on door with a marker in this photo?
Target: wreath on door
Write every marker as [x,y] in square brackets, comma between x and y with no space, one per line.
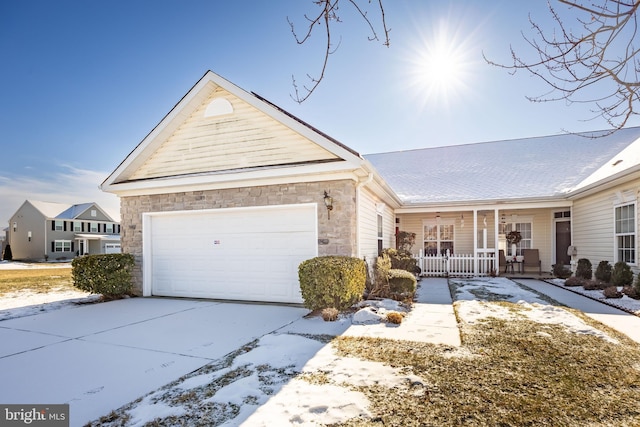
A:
[514,237]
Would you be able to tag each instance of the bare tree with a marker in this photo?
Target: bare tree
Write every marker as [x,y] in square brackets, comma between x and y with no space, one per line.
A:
[597,63]
[327,16]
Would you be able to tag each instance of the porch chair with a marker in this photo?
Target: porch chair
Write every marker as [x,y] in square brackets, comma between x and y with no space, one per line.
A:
[531,259]
[503,261]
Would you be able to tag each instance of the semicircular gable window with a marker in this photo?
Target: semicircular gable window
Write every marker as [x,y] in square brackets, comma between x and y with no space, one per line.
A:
[218,107]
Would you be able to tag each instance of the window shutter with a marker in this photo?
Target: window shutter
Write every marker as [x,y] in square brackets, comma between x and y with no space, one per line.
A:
[53,225]
[72,250]
[82,226]
[71,226]
[53,246]
[64,225]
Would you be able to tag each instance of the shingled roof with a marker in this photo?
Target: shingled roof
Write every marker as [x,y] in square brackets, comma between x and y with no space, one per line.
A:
[509,170]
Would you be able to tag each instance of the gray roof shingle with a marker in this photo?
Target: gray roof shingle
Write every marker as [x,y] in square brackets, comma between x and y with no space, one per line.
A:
[528,168]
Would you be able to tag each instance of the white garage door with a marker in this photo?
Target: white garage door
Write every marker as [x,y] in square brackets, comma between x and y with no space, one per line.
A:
[249,254]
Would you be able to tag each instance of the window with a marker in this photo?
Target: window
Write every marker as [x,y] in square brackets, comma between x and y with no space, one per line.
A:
[94,213]
[62,246]
[525,229]
[93,227]
[438,238]
[108,228]
[58,225]
[625,233]
[77,226]
[15,226]
[380,240]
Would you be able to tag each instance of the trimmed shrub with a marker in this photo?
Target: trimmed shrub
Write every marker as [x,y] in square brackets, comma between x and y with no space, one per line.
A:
[584,269]
[330,314]
[574,281]
[402,259]
[394,317]
[612,292]
[593,285]
[332,281]
[106,274]
[631,292]
[402,282]
[603,271]
[621,275]
[560,271]
[7,255]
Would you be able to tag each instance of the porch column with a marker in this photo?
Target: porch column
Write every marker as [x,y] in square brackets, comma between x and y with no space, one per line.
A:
[475,242]
[496,235]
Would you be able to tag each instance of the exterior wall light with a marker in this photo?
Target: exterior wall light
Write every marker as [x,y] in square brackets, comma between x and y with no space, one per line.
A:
[328,202]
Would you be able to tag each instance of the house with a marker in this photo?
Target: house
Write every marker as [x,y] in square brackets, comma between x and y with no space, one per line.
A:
[229,193]
[56,231]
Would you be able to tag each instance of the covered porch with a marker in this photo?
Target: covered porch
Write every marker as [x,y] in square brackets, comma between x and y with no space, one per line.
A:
[490,240]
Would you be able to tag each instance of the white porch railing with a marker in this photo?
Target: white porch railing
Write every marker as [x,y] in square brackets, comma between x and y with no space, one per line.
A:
[458,265]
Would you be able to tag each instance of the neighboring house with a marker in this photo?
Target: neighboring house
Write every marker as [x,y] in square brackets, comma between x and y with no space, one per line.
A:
[3,241]
[56,231]
[227,195]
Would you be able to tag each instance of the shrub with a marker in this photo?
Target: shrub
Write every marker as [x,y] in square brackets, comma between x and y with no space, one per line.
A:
[401,282]
[612,292]
[7,255]
[394,317]
[106,274]
[406,240]
[603,271]
[402,259]
[621,274]
[381,277]
[332,281]
[575,281]
[330,314]
[560,271]
[631,292]
[584,269]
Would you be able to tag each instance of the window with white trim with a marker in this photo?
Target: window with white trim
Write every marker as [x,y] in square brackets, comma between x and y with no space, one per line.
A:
[62,245]
[108,228]
[77,226]
[526,232]
[93,227]
[59,225]
[380,234]
[625,233]
[438,238]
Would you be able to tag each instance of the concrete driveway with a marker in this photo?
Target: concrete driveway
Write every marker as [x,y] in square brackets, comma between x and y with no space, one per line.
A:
[99,357]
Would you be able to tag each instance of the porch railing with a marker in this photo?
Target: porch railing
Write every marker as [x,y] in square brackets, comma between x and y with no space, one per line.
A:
[457,265]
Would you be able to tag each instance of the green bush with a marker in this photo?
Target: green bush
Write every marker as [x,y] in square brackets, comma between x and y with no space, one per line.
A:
[332,281]
[106,274]
[402,282]
[7,255]
[402,259]
[380,287]
[560,271]
[621,274]
[584,269]
[603,271]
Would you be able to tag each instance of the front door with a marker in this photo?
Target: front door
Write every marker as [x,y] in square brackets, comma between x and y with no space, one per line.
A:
[563,241]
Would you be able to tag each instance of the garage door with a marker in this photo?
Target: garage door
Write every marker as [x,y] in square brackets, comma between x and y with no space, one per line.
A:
[249,254]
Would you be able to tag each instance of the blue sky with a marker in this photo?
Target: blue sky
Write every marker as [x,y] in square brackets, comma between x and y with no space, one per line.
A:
[83,82]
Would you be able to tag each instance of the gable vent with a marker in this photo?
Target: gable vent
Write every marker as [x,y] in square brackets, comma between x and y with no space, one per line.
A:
[218,107]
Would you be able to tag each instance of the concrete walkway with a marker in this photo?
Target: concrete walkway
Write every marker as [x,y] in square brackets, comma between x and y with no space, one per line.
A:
[616,319]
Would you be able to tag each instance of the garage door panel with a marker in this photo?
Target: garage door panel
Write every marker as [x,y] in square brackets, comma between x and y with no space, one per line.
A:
[244,254]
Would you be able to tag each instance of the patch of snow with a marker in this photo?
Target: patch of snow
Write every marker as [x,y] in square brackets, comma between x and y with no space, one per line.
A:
[28,303]
[625,303]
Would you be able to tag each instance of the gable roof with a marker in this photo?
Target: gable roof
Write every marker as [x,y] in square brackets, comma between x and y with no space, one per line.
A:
[201,141]
[63,210]
[521,169]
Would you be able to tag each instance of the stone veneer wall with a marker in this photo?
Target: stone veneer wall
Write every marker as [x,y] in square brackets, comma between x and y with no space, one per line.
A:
[336,236]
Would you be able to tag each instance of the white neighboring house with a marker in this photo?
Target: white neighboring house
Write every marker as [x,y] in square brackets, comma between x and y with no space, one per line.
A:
[55,231]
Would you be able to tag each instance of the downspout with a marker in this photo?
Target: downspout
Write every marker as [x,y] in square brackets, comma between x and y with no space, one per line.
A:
[361,183]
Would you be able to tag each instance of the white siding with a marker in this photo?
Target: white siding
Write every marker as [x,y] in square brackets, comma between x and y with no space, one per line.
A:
[243,139]
[368,226]
[593,226]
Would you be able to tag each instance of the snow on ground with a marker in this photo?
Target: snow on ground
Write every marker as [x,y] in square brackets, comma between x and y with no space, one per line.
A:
[293,378]
[17,265]
[628,304]
[27,303]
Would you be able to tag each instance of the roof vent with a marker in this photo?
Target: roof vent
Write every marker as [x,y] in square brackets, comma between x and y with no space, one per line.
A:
[617,162]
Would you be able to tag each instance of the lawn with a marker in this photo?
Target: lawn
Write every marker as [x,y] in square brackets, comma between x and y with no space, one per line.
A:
[40,280]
